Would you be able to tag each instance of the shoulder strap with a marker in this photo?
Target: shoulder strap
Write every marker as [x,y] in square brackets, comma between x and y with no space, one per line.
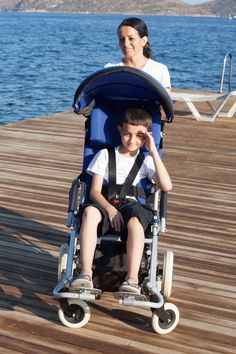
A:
[112,187]
[111,173]
[131,176]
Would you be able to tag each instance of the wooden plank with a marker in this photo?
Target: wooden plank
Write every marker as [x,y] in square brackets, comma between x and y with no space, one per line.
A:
[38,160]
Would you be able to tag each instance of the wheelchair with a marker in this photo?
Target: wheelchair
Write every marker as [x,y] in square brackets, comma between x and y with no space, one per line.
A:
[103,97]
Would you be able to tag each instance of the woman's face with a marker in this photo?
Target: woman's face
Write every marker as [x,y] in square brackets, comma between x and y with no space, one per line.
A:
[130,41]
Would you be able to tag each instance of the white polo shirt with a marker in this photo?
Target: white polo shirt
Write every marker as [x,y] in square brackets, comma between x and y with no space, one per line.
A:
[99,165]
[157,70]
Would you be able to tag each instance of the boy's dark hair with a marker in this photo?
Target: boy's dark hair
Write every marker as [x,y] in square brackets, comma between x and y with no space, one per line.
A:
[137,116]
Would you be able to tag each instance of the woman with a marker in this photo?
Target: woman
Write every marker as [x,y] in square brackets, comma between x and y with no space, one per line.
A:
[134,44]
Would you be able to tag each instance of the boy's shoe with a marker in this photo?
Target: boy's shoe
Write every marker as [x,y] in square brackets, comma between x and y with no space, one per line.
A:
[130,288]
[82,281]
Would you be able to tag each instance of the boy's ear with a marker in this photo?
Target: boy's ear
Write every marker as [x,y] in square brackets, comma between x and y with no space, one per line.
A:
[119,128]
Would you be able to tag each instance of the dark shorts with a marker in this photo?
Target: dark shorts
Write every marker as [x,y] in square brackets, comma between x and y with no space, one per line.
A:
[128,209]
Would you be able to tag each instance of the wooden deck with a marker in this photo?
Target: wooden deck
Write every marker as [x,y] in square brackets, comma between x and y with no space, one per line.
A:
[38,160]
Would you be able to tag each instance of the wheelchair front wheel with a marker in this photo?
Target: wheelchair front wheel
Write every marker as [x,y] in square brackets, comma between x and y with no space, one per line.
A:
[169,325]
[76,316]
[167,274]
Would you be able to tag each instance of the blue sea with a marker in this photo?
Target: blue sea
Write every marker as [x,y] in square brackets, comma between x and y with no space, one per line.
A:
[45,56]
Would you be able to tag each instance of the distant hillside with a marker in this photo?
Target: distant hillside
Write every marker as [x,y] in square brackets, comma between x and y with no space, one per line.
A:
[167,7]
[161,7]
[221,7]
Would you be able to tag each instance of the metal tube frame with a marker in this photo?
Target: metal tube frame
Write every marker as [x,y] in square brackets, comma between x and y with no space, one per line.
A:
[153,284]
[230,71]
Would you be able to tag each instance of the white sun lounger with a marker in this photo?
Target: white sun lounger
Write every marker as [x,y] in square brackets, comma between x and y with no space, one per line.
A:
[191,100]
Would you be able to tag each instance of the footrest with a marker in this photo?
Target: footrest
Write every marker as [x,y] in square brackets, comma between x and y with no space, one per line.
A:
[129,296]
[139,300]
[87,293]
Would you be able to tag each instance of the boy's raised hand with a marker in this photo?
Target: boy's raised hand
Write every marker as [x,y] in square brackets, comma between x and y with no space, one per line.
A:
[149,142]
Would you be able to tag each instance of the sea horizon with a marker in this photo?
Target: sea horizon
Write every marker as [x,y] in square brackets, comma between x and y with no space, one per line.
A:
[45,55]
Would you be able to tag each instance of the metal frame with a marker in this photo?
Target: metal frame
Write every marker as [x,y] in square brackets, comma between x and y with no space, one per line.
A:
[152,284]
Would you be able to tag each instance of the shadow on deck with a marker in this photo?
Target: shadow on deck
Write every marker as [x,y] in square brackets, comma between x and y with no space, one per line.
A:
[39,158]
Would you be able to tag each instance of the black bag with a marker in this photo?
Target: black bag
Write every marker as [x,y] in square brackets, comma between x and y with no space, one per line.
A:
[109,265]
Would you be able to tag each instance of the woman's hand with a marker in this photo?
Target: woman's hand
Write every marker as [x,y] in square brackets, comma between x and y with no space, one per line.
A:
[115,218]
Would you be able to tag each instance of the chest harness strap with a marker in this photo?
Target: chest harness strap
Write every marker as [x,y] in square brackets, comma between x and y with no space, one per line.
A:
[115,194]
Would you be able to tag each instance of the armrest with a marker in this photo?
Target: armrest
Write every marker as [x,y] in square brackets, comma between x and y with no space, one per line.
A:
[163,204]
[73,201]
[73,195]
[163,210]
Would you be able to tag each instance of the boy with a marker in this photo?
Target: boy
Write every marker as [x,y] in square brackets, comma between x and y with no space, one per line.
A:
[131,217]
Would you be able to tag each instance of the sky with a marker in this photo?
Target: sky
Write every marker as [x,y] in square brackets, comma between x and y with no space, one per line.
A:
[193,2]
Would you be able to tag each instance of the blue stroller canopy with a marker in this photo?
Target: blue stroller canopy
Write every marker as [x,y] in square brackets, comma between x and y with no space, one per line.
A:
[122,83]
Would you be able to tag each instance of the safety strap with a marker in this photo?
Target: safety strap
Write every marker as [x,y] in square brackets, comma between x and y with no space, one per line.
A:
[134,191]
[112,192]
[127,186]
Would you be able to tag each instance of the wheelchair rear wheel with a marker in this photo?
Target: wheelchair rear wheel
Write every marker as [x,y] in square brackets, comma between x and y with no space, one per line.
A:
[169,325]
[167,274]
[76,316]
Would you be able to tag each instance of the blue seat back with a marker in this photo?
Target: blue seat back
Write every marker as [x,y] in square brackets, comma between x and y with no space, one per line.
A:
[114,90]
[102,129]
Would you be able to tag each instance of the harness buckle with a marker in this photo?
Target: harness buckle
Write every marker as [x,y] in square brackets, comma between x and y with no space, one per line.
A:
[116,202]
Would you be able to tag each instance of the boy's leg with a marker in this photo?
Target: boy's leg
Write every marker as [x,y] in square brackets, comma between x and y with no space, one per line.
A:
[88,241]
[135,246]
[88,238]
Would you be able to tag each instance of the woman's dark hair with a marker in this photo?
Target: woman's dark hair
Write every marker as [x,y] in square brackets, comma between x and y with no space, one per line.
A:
[141,27]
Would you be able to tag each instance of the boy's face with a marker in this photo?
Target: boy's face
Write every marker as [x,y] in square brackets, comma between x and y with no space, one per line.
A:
[132,137]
